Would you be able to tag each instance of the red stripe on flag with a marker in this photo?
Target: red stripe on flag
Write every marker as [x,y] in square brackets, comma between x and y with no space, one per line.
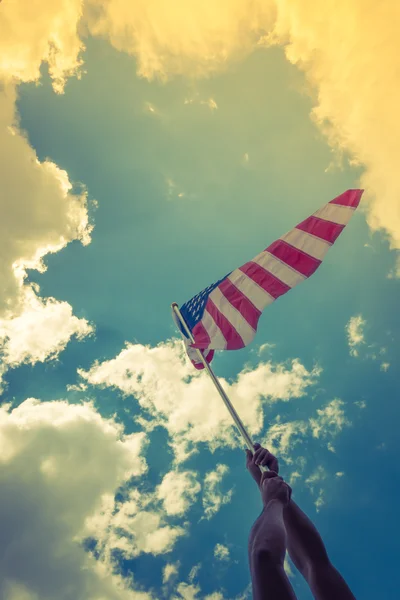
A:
[325,230]
[240,302]
[199,365]
[268,282]
[201,337]
[233,339]
[350,198]
[296,259]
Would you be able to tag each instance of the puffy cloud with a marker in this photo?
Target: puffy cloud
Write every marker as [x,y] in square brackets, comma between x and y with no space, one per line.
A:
[330,420]
[169,571]
[190,38]
[221,552]
[282,437]
[355,333]
[132,526]
[40,332]
[340,45]
[40,32]
[190,591]
[187,591]
[213,497]
[39,212]
[171,394]
[58,463]
[177,491]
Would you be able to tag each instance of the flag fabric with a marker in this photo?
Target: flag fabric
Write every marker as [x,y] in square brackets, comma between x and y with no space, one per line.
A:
[224,316]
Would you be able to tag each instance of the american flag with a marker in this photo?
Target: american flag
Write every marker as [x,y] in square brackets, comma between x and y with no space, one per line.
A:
[224,316]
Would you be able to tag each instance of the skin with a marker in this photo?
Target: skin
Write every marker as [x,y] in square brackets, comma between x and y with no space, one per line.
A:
[283,525]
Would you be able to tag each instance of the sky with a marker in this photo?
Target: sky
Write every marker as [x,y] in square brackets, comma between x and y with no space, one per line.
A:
[145,153]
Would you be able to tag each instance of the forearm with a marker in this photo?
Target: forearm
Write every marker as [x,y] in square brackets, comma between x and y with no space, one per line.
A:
[268,536]
[267,552]
[304,543]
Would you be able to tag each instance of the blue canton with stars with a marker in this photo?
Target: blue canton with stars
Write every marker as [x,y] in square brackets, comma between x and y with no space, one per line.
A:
[192,311]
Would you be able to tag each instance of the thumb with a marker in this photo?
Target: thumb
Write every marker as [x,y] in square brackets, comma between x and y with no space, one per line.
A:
[249,456]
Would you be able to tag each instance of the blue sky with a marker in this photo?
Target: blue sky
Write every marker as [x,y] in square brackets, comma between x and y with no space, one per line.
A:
[187,179]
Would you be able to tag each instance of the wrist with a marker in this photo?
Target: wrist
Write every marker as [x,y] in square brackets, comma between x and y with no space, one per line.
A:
[274,503]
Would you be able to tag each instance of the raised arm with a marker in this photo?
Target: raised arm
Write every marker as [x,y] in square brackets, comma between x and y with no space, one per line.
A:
[304,543]
[268,547]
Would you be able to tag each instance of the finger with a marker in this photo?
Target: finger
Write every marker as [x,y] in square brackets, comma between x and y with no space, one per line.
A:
[267,459]
[271,461]
[257,446]
[257,454]
[260,456]
[249,457]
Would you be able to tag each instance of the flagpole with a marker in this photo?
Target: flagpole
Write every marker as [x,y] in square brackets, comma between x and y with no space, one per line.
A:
[227,402]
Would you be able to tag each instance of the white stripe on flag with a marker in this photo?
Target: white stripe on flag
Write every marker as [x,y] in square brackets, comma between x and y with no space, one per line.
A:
[335,213]
[215,334]
[259,297]
[235,318]
[307,243]
[278,268]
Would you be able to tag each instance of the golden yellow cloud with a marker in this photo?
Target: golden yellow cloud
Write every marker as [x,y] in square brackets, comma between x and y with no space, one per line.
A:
[34,32]
[39,214]
[181,37]
[350,52]
[348,49]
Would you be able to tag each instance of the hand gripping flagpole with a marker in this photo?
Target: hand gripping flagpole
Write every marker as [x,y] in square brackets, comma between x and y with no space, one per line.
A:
[227,402]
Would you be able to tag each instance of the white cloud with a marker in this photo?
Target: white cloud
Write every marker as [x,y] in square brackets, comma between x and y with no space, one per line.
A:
[39,212]
[314,483]
[58,463]
[190,591]
[171,394]
[40,332]
[194,571]
[187,591]
[330,420]
[355,333]
[385,366]
[178,491]
[133,526]
[221,552]
[282,437]
[213,497]
[39,215]
[170,570]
